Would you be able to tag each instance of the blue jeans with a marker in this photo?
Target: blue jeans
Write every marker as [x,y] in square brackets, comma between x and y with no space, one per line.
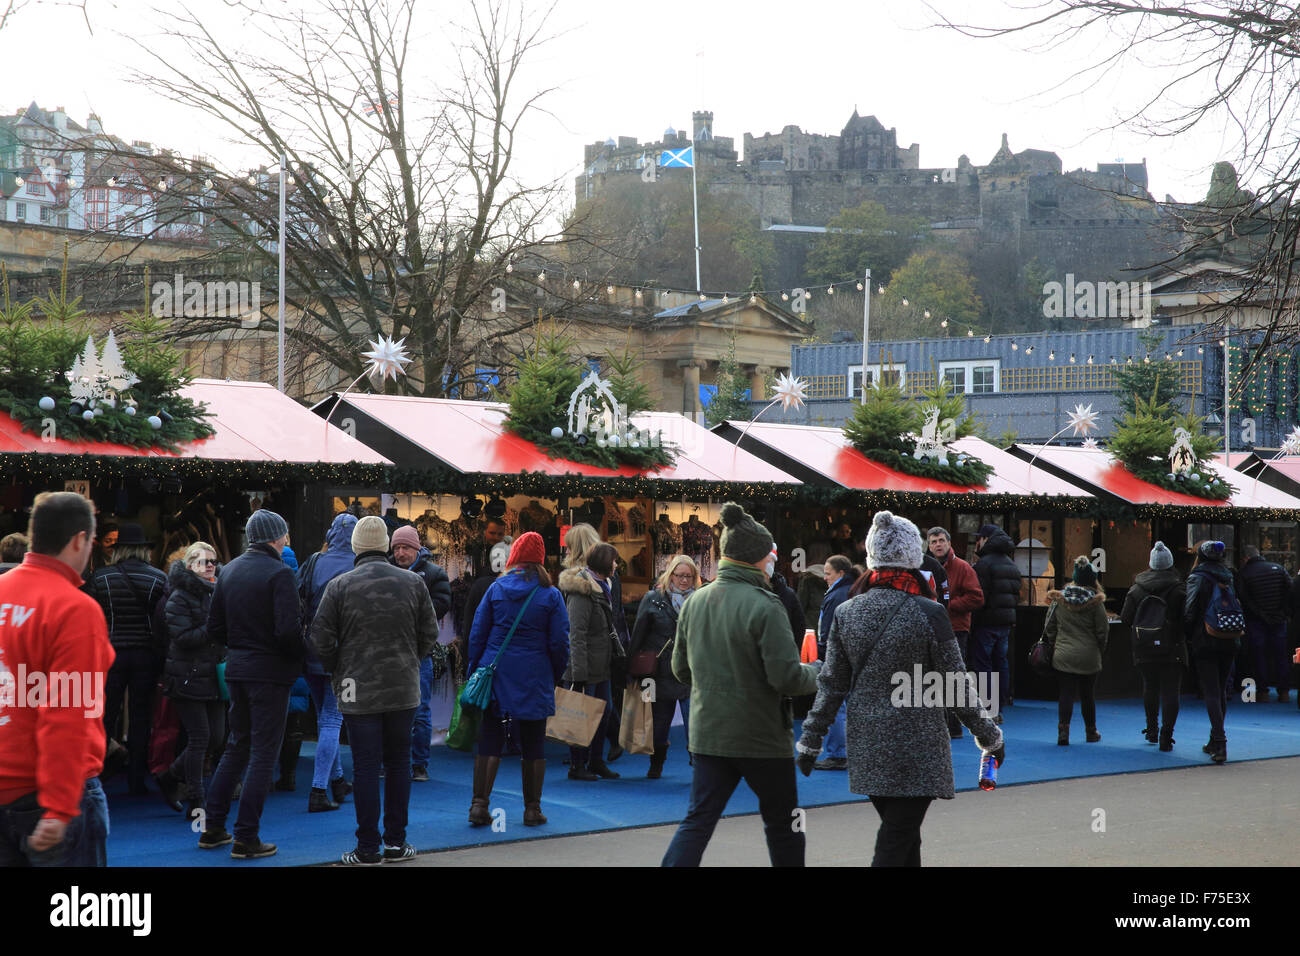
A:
[381,738]
[257,715]
[835,743]
[422,728]
[329,765]
[988,655]
[1269,652]
[714,781]
[84,841]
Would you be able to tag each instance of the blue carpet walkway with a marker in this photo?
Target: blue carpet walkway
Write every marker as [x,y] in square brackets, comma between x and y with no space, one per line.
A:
[144,832]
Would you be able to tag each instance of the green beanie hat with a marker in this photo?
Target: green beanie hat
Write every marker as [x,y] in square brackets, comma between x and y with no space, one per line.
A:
[743,538]
[1084,573]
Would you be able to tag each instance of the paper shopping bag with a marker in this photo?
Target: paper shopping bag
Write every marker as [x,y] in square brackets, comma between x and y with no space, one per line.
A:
[576,718]
[637,734]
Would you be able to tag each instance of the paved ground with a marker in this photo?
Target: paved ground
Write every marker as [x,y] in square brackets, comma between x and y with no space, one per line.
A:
[1239,814]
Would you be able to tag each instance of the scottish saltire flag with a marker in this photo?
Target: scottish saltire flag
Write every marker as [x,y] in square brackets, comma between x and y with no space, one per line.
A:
[683,158]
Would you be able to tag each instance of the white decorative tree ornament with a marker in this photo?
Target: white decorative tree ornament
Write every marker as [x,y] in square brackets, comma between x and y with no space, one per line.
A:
[387,358]
[1090,443]
[1181,456]
[113,368]
[929,445]
[1291,444]
[82,377]
[789,391]
[1083,420]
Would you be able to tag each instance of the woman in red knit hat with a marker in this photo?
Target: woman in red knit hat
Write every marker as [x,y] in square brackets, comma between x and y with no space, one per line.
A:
[524,686]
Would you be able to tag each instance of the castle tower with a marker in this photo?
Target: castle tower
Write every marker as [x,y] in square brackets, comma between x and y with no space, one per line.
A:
[702,123]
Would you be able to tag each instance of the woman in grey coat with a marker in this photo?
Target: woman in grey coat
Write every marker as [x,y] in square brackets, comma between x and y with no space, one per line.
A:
[593,643]
[899,751]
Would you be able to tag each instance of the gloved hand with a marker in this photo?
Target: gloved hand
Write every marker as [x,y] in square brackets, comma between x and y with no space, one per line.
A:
[805,763]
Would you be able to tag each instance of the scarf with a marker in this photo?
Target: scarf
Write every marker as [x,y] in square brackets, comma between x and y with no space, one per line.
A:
[679,597]
[900,579]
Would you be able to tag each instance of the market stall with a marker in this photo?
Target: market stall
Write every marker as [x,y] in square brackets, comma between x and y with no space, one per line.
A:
[1135,513]
[265,449]
[1277,538]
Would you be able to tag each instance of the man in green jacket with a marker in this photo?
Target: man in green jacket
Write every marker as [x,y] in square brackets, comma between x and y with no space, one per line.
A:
[734,650]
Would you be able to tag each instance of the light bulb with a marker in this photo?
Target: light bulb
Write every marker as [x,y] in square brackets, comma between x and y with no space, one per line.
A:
[638,293]
[1014,346]
[830,290]
[541,277]
[970,333]
[1051,355]
[859,286]
[1029,350]
[112,181]
[905,302]
[609,289]
[989,338]
[576,285]
[1089,359]
[785,297]
[943,324]
[927,313]
[1071,356]
[207,184]
[509,268]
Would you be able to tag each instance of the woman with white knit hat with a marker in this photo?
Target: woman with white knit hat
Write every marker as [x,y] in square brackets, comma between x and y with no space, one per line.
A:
[899,752]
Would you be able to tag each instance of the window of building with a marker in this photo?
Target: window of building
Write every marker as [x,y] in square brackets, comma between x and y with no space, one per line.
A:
[63,220]
[895,374]
[45,214]
[20,211]
[976,377]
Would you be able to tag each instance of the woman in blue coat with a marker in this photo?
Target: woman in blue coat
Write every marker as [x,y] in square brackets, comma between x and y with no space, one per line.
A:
[523,689]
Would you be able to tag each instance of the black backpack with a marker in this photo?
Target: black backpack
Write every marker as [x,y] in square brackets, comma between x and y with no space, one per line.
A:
[1152,633]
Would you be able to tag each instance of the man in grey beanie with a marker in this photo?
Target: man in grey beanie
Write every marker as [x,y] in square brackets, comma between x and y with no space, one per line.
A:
[733,648]
[1153,609]
[255,612]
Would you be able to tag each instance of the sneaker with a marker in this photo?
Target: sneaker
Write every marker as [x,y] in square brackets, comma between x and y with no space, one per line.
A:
[396,854]
[419,775]
[832,763]
[361,858]
[251,851]
[211,839]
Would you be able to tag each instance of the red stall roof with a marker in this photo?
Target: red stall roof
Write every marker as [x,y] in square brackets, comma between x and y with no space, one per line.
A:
[828,452]
[1096,468]
[253,422]
[470,437]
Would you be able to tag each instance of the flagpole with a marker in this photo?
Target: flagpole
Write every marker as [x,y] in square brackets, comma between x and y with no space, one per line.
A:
[279,348]
[695,195]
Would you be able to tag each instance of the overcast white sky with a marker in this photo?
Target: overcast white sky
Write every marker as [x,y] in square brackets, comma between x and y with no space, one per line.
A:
[632,69]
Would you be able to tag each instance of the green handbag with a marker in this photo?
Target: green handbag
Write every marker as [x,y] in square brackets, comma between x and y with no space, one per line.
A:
[465,725]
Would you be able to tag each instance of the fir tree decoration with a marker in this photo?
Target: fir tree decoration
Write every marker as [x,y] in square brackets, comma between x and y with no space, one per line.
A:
[729,401]
[57,358]
[1143,440]
[540,398]
[886,427]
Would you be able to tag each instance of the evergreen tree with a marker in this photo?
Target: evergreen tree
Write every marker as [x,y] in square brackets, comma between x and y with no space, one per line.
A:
[1147,377]
[729,401]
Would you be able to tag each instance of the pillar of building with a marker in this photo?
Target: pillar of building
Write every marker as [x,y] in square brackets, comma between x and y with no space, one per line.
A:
[758,382]
[691,406]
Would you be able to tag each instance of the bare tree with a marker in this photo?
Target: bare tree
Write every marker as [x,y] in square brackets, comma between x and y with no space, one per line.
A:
[1228,64]
[404,211]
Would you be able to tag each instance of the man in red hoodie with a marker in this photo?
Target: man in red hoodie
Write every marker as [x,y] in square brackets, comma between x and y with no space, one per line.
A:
[964,596]
[54,653]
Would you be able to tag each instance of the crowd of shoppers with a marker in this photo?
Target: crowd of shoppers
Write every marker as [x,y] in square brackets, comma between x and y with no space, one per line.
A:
[359,620]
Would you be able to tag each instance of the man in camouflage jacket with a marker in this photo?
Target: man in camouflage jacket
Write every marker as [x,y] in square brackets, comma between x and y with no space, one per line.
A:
[373,627]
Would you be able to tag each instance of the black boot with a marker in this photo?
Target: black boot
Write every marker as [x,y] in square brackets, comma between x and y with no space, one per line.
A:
[339,789]
[601,769]
[1151,733]
[1166,739]
[319,801]
[1063,735]
[289,750]
[1091,735]
[1220,754]
[485,775]
[657,762]
[534,775]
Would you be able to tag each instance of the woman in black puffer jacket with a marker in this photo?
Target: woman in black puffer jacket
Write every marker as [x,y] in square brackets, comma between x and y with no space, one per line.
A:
[190,674]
